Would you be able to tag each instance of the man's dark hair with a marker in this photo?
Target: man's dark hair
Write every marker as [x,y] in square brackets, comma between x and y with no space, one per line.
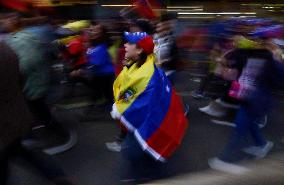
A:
[144,25]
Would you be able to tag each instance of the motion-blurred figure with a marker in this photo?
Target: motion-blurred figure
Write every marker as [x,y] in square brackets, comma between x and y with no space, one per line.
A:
[165,46]
[255,72]
[98,71]
[31,44]
[16,121]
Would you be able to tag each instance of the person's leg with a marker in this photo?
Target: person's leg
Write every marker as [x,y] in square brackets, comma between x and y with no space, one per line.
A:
[97,84]
[238,137]
[116,145]
[256,134]
[40,110]
[123,132]
[258,107]
[231,153]
[140,166]
[261,146]
[107,87]
[77,79]
[204,83]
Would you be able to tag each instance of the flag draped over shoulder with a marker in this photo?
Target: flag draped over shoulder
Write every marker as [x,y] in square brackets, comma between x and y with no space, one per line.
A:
[148,106]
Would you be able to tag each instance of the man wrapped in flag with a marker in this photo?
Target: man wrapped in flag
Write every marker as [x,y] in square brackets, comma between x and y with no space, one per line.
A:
[146,104]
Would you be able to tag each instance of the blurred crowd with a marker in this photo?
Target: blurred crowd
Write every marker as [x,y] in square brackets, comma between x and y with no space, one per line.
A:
[244,54]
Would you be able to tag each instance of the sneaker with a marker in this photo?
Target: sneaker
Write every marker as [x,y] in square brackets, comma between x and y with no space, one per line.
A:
[259,151]
[218,164]
[204,109]
[211,111]
[114,146]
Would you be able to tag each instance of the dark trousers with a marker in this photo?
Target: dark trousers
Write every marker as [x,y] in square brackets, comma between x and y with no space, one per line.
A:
[137,164]
[247,125]
[40,110]
[205,82]
[103,86]
[100,84]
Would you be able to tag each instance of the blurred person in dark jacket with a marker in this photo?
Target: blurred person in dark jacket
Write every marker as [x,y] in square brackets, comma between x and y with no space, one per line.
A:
[15,117]
[31,42]
[16,122]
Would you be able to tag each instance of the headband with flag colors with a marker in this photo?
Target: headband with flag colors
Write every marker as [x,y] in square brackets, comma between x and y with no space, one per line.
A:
[142,39]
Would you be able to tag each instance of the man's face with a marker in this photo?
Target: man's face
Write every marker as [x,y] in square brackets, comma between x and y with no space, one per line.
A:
[132,52]
[94,32]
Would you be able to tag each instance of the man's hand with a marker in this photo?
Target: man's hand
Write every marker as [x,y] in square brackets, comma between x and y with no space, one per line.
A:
[76,73]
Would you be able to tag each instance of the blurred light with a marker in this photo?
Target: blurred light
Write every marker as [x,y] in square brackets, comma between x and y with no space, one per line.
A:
[186,17]
[220,13]
[42,3]
[246,16]
[268,7]
[271,5]
[176,10]
[184,6]
[253,4]
[116,5]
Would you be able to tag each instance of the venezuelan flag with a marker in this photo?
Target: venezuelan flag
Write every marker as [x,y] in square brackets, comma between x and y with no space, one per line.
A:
[148,106]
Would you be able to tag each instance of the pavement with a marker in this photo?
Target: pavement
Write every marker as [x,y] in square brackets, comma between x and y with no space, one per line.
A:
[90,163]
[261,172]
